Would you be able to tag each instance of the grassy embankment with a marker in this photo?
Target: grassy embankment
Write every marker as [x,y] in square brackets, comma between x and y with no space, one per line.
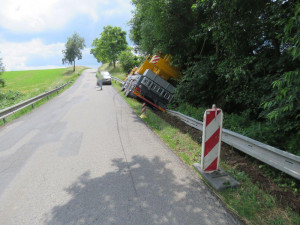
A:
[250,202]
[22,85]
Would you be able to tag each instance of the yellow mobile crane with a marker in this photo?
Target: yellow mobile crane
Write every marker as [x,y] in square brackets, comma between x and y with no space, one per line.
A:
[150,81]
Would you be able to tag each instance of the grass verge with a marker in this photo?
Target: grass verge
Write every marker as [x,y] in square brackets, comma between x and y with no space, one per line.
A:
[250,201]
[18,89]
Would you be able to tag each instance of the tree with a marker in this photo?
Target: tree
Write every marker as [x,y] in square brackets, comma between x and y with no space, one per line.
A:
[128,60]
[163,26]
[283,106]
[73,49]
[245,54]
[111,43]
[1,71]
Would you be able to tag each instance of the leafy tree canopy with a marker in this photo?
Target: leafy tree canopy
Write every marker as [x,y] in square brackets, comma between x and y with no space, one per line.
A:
[111,43]
[242,55]
[128,60]
[74,46]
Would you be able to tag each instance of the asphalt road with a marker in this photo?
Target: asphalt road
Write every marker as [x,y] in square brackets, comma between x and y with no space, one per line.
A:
[86,158]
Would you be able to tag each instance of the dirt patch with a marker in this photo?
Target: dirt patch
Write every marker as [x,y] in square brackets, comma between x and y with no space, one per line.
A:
[243,162]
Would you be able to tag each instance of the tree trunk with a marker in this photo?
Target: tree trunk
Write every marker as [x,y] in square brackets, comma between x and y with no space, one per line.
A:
[74,67]
[203,46]
[114,64]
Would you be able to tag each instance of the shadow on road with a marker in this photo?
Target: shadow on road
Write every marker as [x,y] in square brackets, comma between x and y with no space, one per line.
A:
[139,192]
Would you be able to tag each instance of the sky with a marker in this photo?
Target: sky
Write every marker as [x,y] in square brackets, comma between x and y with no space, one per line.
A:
[33,33]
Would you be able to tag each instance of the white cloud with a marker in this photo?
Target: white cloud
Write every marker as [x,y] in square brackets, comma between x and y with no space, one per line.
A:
[21,55]
[39,15]
[15,55]
[25,18]
[122,6]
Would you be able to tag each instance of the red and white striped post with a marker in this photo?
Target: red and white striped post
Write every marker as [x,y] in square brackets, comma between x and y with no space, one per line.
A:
[143,111]
[211,139]
[154,59]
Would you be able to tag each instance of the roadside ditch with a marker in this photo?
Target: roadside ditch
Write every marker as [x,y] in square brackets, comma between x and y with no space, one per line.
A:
[242,162]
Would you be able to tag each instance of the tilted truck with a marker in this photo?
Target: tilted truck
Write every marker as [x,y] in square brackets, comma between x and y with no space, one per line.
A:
[150,82]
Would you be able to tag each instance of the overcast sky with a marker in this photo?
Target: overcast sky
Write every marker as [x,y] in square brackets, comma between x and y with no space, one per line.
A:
[33,33]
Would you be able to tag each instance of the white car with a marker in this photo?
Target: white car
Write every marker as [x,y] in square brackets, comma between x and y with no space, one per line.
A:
[106,77]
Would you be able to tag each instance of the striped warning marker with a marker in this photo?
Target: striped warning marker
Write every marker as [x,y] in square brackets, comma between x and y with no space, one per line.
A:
[154,59]
[211,139]
[143,111]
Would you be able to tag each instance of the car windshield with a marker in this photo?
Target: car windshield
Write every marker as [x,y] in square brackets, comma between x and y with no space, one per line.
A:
[105,74]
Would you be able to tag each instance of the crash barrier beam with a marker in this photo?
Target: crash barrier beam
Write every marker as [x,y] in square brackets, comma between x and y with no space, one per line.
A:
[15,108]
[281,160]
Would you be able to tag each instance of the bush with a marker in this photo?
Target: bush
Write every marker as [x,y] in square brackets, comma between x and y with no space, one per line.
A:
[128,60]
[9,98]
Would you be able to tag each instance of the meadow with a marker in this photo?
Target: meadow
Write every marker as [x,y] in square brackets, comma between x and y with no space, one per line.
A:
[22,85]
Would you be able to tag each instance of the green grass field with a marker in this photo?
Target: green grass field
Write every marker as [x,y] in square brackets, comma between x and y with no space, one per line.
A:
[22,85]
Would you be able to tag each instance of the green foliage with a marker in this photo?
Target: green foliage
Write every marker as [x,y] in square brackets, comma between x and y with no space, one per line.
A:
[73,49]
[292,33]
[162,26]
[9,98]
[241,55]
[249,201]
[128,60]
[111,43]
[2,83]
[283,108]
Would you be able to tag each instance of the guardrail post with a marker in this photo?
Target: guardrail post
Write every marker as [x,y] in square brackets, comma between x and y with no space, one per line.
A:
[4,120]
[32,106]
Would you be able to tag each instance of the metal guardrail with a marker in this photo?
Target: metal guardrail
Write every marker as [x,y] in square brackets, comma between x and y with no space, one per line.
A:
[15,108]
[281,160]
[117,79]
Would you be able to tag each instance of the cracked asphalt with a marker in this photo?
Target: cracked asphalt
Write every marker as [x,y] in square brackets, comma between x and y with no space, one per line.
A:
[86,158]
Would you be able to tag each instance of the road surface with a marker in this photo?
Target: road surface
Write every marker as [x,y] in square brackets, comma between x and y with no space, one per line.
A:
[86,158]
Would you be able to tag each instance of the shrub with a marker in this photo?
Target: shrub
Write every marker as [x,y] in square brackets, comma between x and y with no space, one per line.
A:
[128,60]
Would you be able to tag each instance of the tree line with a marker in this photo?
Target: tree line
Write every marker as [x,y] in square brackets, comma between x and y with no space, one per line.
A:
[242,55]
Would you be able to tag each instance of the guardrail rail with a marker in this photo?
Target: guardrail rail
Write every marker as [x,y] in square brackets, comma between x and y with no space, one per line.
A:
[281,160]
[15,108]
[117,79]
